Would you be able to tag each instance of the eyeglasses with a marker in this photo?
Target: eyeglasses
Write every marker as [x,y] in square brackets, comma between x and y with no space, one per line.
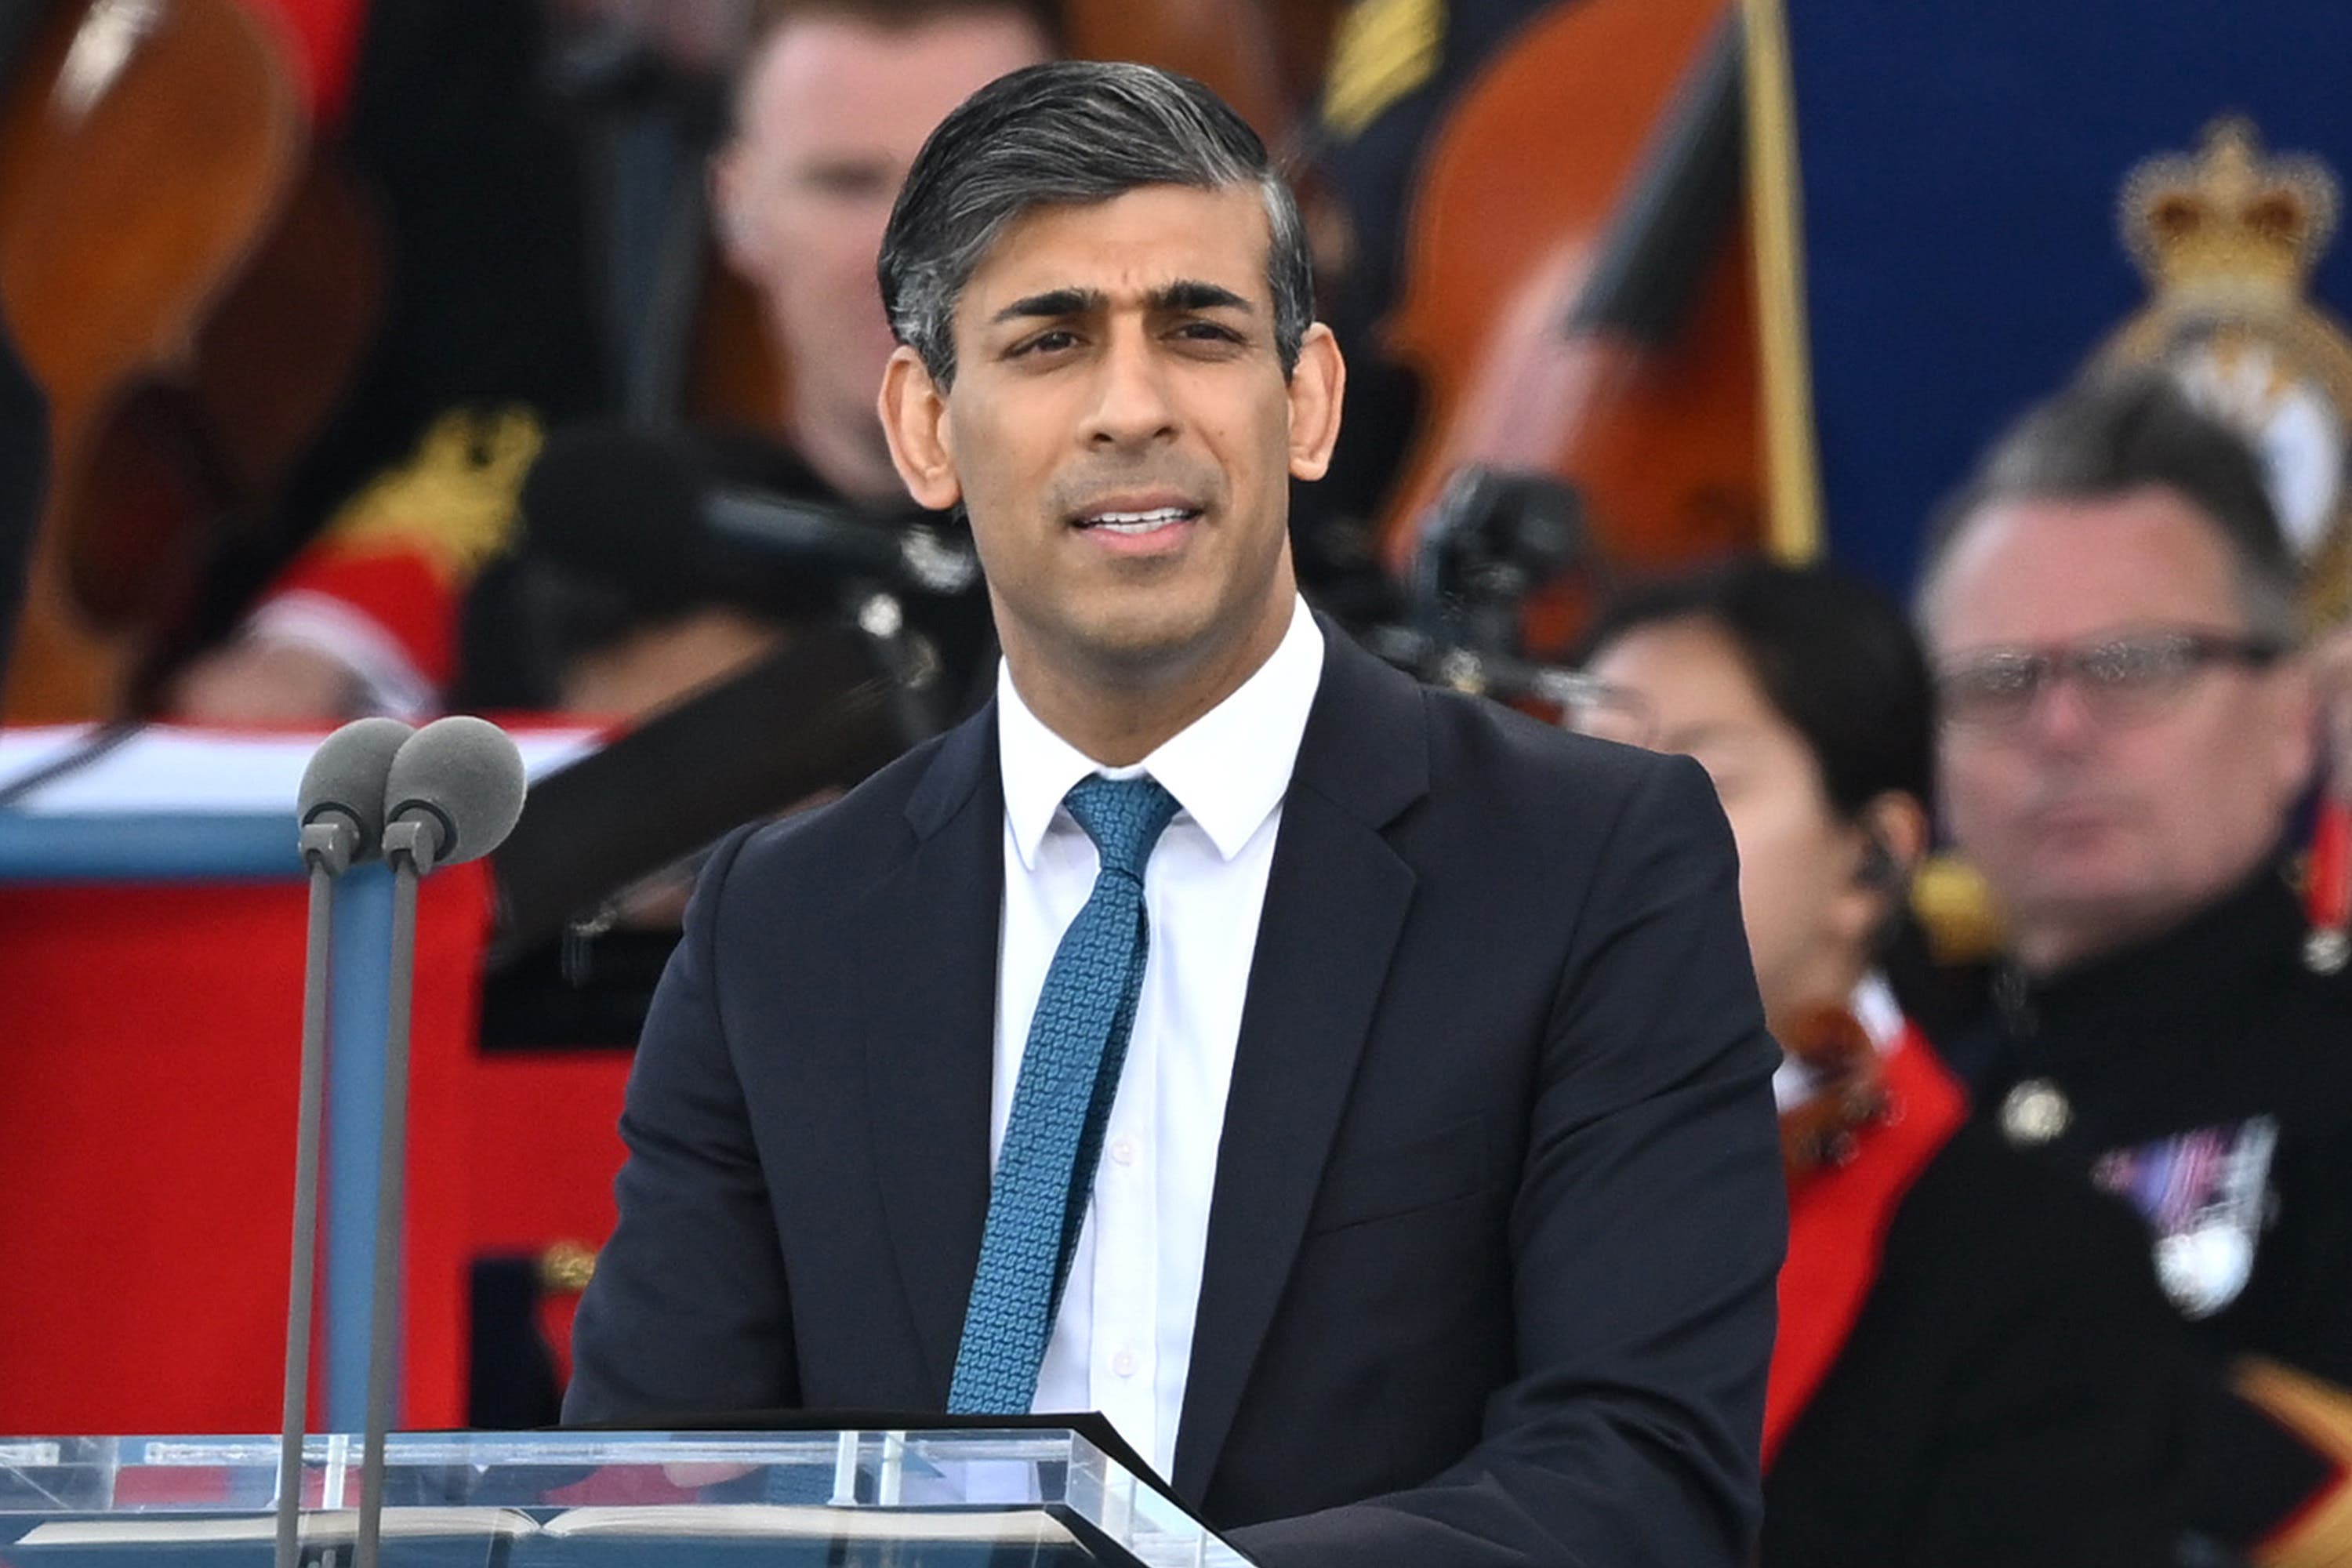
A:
[2124,680]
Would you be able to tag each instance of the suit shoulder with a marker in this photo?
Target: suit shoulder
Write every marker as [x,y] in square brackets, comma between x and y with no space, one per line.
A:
[853,835]
[1477,736]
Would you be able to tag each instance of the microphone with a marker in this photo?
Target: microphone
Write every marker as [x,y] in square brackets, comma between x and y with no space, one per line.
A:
[612,503]
[340,808]
[460,782]
[453,791]
[341,793]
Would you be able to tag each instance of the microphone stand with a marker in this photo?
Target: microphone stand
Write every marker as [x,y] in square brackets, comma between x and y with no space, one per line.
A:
[327,850]
[410,846]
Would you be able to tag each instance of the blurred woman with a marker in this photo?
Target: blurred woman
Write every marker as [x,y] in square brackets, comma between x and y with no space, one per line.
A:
[1974,1364]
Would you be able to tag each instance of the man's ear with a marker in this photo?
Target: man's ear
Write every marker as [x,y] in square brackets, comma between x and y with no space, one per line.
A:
[915,420]
[1890,837]
[1316,384]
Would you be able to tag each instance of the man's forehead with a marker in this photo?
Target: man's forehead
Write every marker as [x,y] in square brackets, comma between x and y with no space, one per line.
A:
[848,80]
[2046,568]
[1130,250]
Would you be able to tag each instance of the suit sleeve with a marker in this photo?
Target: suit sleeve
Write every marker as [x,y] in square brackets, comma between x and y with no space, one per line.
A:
[687,1312]
[1647,1236]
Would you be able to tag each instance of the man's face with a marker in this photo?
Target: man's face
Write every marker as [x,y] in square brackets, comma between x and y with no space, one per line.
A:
[833,113]
[2096,829]
[1122,434]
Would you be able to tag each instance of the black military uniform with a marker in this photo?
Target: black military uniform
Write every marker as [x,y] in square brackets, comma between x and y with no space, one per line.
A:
[2206,1076]
[2013,1393]
[1975,1366]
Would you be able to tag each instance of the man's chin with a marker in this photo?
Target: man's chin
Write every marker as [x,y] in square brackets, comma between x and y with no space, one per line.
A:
[1145,648]
[2089,915]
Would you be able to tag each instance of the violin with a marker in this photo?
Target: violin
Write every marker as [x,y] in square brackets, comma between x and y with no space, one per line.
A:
[1849,1080]
[191,287]
[1577,299]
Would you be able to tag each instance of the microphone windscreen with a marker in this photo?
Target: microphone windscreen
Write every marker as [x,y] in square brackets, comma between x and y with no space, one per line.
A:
[347,773]
[464,776]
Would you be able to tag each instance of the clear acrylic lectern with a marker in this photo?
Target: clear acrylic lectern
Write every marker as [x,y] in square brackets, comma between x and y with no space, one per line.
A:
[972,1499]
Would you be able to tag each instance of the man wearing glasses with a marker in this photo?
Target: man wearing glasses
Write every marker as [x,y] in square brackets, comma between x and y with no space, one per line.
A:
[2128,738]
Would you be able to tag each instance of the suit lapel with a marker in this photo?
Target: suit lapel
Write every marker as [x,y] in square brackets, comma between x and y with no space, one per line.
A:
[929,959]
[1335,900]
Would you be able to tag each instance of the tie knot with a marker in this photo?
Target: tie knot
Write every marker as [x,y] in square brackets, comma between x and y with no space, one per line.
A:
[1124,817]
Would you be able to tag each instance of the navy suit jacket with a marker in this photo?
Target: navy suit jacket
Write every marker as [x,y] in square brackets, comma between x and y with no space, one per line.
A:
[1498,1203]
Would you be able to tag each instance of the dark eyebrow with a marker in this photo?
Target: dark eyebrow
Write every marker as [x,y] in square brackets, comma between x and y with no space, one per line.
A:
[1190,294]
[1186,294]
[1054,303]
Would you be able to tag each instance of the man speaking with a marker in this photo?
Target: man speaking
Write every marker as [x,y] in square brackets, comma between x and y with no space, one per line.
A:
[1358,1093]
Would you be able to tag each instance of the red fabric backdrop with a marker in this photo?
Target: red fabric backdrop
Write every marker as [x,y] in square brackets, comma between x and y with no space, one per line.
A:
[149,1040]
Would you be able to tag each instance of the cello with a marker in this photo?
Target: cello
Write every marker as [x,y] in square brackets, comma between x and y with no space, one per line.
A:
[1590,318]
[189,289]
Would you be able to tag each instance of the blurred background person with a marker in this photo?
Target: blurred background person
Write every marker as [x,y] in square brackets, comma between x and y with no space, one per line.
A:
[1948,1303]
[634,598]
[625,596]
[2128,736]
[602,590]
[627,601]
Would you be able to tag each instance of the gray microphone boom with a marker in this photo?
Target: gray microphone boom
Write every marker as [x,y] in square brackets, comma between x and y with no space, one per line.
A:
[462,779]
[453,791]
[341,807]
[342,788]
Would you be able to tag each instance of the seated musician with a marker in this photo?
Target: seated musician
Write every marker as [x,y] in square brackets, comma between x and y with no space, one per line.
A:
[1974,1365]
[831,101]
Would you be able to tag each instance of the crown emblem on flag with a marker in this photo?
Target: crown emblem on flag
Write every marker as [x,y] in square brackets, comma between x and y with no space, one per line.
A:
[2227,238]
[2229,216]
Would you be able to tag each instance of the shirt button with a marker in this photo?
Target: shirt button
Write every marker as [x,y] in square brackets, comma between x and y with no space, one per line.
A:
[1123,1363]
[1123,1150]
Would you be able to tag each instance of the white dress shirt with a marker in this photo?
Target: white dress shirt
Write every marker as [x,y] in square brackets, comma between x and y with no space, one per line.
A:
[1123,1340]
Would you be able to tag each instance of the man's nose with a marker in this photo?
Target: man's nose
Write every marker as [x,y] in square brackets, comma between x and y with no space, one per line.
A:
[1132,407]
[2060,716]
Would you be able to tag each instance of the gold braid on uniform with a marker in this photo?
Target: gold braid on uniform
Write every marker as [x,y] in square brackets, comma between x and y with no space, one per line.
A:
[1383,50]
[456,499]
[2320,1413]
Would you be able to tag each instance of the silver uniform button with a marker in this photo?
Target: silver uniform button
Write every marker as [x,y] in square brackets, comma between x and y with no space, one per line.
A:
[2035,1112]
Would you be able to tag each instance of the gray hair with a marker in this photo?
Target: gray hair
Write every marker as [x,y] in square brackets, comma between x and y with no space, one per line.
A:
[1071,132]
[2112,434]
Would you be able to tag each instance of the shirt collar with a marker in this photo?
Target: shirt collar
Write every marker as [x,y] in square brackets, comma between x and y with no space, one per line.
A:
[1228,769]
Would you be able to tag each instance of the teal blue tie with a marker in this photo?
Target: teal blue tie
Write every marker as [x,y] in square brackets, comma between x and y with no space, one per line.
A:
[1070,1076]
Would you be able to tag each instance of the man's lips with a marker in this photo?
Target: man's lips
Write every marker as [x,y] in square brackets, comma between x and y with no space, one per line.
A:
[1133,514]
[1135,523]
[2074,820]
